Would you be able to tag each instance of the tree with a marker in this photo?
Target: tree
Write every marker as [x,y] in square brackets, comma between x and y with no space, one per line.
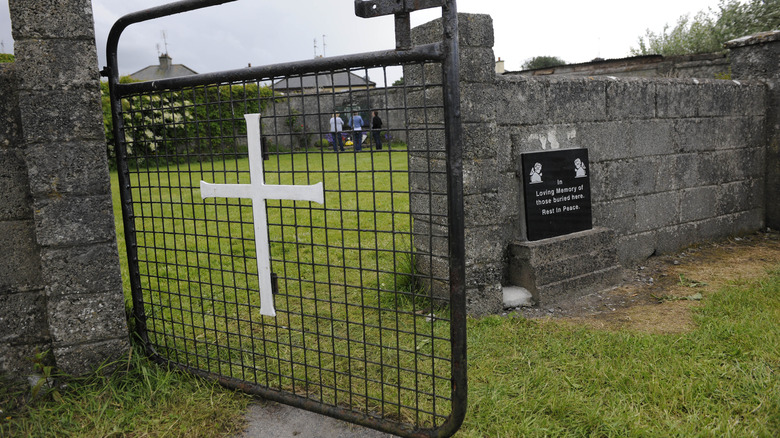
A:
[707,31]
[399,82]
[542,62]
[737,20]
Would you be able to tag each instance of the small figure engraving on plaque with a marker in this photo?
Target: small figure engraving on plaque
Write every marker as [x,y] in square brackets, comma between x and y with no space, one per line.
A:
[579,169]
[536,173]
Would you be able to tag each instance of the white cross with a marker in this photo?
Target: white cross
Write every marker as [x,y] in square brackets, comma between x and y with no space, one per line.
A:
[258,192]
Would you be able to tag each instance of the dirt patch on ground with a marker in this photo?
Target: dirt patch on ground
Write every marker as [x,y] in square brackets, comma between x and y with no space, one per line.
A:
[657,295]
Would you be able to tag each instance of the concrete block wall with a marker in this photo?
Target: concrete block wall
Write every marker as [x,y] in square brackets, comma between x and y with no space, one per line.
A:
[672,161]
[758,57]
[564,267]
[703,65]
[487,189]
[64,288]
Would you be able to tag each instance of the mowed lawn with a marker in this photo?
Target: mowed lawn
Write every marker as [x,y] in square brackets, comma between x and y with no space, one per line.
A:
[353,323]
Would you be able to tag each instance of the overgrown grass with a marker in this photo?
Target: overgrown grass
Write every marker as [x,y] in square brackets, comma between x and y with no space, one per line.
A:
[128,398]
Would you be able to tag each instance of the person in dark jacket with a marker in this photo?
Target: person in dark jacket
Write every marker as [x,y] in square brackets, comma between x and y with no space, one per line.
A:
[376,127]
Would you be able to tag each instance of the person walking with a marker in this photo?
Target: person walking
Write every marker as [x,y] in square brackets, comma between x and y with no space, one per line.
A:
[336,126]
[376,127]
[356,122]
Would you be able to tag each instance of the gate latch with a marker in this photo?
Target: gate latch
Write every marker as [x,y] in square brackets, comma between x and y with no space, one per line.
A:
[378,8]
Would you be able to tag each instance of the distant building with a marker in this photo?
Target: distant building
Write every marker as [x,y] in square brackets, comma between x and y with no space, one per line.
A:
[335,82]
[500,66]
[165,70]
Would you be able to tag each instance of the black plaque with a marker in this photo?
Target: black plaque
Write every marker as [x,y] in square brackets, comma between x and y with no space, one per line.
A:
[557,192]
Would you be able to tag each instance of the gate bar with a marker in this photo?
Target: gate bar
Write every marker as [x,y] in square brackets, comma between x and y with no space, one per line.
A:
[427,52]
[401,9]
[146,15]
[123,172]
[453,135]
[378,8]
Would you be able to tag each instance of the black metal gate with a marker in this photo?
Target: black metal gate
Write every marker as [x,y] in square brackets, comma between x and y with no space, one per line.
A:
[263,256]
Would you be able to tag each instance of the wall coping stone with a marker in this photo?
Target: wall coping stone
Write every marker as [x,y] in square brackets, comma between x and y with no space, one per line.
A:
[758,38]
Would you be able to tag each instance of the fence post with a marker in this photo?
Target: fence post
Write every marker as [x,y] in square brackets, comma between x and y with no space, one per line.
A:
[486,174]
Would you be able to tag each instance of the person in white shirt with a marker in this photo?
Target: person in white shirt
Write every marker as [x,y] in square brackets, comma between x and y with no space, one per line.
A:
[336,126]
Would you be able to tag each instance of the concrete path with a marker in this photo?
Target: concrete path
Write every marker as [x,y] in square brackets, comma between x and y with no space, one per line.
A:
[267,419]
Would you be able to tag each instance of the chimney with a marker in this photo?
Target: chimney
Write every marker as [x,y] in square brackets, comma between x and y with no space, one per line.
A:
[165,61]
[500,66]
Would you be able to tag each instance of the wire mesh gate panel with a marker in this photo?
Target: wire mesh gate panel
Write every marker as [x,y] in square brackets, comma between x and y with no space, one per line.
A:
[263,255]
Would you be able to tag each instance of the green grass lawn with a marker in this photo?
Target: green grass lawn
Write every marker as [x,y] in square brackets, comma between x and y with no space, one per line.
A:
[348,328]
[546,379]
[526,377]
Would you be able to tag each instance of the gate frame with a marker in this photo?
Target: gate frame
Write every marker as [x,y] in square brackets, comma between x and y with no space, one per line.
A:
[447,53]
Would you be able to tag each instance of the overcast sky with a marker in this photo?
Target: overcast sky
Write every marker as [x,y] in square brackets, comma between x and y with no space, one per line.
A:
[263,32]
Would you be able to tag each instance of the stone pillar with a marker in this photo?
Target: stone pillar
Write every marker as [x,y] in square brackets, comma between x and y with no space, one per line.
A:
[493,212]
[758,57]
[487,179]
[22,296]
[64,150]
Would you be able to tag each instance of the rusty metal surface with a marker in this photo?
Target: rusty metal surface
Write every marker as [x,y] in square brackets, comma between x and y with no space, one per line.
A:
[378,8]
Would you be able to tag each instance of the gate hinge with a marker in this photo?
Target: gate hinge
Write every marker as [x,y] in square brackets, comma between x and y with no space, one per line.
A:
[378,8]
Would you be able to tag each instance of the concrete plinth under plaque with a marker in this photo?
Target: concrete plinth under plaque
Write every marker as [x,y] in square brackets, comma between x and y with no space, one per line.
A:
[565,267]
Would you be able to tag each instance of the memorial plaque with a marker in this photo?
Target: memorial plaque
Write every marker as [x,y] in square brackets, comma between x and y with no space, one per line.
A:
[557,192]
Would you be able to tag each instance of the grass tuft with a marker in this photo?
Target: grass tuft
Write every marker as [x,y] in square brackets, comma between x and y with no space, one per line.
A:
[129,397]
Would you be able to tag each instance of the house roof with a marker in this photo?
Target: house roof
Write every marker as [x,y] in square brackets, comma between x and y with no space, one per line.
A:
[164,70]
[341,79]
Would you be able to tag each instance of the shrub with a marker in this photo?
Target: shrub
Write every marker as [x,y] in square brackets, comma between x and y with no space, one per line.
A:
[162,123]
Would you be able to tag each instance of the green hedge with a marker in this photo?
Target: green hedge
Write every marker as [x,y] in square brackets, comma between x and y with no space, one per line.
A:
[179,124]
